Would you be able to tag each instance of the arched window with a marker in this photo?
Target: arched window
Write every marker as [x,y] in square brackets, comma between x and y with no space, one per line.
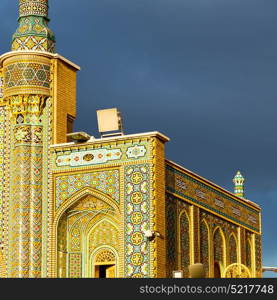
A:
[184,238]
[204,246]
[219,250]
[233,252]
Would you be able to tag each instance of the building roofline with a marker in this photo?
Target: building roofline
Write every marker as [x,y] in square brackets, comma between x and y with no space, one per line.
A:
[243,200]
[93,140]
[39,53]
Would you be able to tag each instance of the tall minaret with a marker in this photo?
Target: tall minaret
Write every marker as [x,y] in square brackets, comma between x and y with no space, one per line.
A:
[37,108]
[238,181]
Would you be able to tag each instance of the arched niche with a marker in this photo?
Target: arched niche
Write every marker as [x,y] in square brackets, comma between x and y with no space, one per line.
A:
[219,252]
[73,223]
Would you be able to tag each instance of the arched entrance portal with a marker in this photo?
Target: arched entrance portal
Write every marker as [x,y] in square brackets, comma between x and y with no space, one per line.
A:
[104,264]
[88,239]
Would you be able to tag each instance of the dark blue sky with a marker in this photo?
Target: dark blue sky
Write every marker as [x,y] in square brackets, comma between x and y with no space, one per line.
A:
[203,72]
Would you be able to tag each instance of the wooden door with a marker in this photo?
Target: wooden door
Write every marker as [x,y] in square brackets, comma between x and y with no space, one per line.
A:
[110,272]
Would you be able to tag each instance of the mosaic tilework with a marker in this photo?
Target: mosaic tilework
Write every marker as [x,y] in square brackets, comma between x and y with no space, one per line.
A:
[28,134]
[248,254]
[33,32]
[75,263]
[33,7]
[76,238]
[258,252]
[26,217]
[86,158]
[185,243]
[196,233]
[85,226]
[204,247]
[27,74]
[25,240]
[243,245]
[171,234]
[105,181]
[136,151]
[104,256]
[104,234]
[233,251]
[218,247]
[137,220]
[92,155]
[90,204]
[237,271]
[1,87]
[2,166]
[33,43]
[98,156]
[203,195]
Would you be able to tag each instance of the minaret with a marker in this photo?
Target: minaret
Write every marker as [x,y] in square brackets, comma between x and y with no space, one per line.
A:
[37,109]
[33,32]
[239,185]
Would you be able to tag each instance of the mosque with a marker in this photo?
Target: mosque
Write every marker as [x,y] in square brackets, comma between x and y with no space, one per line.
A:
[75,206]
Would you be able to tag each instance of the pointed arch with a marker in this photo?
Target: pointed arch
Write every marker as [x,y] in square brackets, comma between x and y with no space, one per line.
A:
[59,257]
[219,250]
[184,238]
[248,249]
[205,241]
[232,249]
[96,252]
[103,234]
[74,198]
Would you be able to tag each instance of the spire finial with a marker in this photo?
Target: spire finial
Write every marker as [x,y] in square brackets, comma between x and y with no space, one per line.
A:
[239,185]
[33,32]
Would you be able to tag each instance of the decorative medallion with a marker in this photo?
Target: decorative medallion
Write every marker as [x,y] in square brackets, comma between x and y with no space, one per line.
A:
[136,151]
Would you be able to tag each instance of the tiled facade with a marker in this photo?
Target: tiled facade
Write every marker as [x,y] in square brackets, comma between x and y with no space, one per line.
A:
[84,209]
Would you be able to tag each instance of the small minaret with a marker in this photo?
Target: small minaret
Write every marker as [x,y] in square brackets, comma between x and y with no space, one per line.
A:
[239,185]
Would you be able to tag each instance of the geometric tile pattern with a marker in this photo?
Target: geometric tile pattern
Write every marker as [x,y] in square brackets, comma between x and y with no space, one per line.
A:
[204,247]
[33,43]
[185,243]
[248,254]
[75,263]
[86,158]
[104,181]
[233,251]
[104,155]
[26,187]
[258,254]
[218,247]
[2,165]
[104,234]
[84,227]
[1,87]
[27,74]
[136,151]
[75,238]
[171,234]
[98,156]
[33,32]
[33,7]
[137,221]
[26,218]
